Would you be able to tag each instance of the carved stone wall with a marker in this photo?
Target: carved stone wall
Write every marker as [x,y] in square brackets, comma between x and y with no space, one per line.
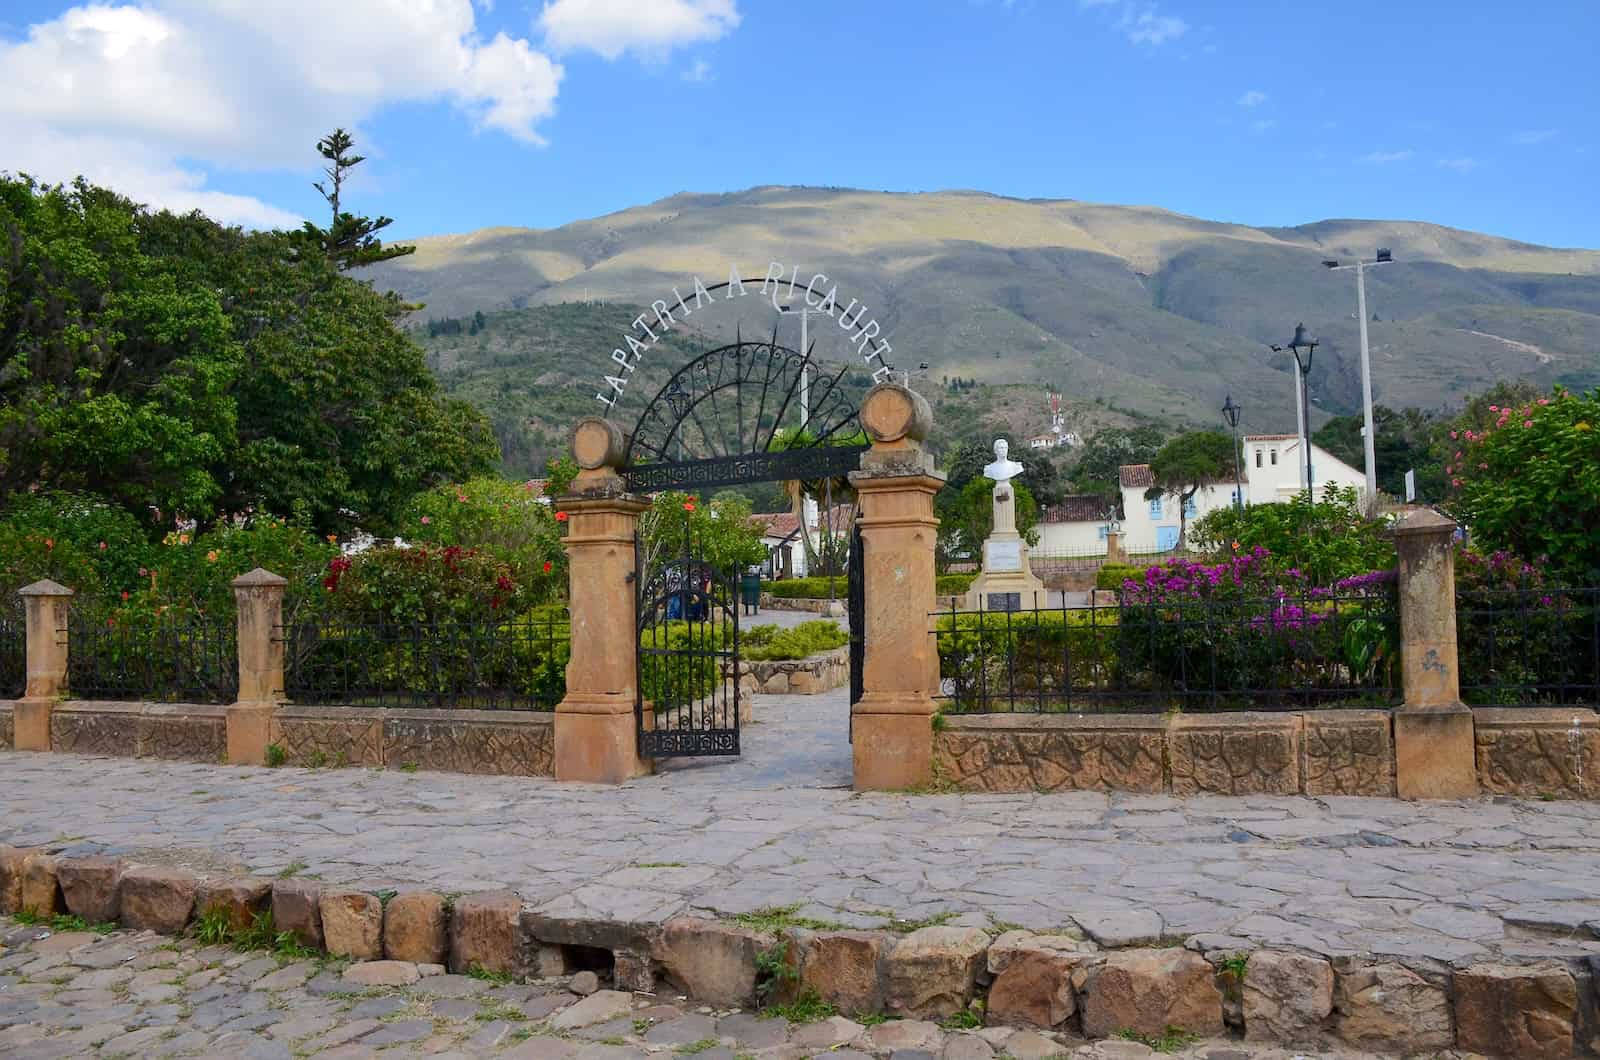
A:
[513,743]
[181,731]
[1012,752]
[1245,753]
[1348,752]
[7,727]
[1538,752]
[329,736]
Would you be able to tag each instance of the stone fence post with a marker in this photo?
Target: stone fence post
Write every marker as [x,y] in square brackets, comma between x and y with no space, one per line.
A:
[1435,753]
[258,597]
[596,739]
[1114,553]
[46,604]
[892,741]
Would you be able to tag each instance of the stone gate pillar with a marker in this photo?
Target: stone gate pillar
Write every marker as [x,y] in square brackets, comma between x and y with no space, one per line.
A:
[892,741]
[46,606]
[1435,756]
[258,598]
[595,737]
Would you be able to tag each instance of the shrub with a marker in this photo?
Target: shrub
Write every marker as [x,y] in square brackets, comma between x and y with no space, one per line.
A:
[797,642]
[954,584]
[425,584]
[1522,639]
[1041,656]
[1325,540]
[498,518]
[806,588]
[1113,575]
[89,545]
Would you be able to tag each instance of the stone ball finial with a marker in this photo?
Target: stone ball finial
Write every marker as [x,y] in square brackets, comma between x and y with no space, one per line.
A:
[597,443]
[891,412]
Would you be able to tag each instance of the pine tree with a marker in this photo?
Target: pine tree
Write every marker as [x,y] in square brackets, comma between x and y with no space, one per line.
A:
[349,241]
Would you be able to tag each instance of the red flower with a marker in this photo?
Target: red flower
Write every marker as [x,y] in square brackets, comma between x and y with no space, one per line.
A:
[547,566]
[124,594]
[688,506]
[102,546]
[561,517]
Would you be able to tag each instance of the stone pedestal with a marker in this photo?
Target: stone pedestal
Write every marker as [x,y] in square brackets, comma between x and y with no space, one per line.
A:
[1007,581]
[1435,754]
[258,598]
[46,605]
[1114,550]
[596,737]
[892,743]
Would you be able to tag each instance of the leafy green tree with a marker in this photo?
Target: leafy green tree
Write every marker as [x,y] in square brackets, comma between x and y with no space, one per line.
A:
[1185,464]
[1325,540]
[1529,482]
[503,519]
[350,241]
[719,532]
[1401,443]
[1108,449]
[968,518]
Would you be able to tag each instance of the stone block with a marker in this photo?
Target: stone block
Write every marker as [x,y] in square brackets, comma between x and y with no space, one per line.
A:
[41,892]
[714,963]
[11,859]
[415,928]
[91,887]
[1031,752]
[1147,991]
[842,968]
[1244,753]
[1033,979]
[296,908]
[158,899]
[891,746]
[382,973]
[1538,752]
[1348,752]
[776,684]
[330,736]
[600,1007]
[1527,1012]
[1389,1008]
[185,732]
[486,931]
[95,728]
[30,719]
[7,727]
[239,898]
[1434,754]
[352,924]
[933,972]
[633,971]
[1287,996]
[500,742]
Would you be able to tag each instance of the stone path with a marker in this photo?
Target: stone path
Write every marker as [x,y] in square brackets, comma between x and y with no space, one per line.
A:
[1498,879]
[76,993]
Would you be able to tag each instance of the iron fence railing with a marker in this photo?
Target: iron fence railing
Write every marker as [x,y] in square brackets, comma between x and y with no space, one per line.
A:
[511,663]
[1286,652]
[1529,647]
[171,657]
[13,650]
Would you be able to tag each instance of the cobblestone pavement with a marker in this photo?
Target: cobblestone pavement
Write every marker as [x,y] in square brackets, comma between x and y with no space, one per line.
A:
[1457,882]
[76,993]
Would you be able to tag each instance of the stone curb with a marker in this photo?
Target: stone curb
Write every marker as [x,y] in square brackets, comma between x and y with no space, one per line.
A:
[1210,985]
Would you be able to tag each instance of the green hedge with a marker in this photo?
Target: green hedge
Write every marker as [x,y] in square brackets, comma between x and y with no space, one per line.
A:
[817,588]
[1112,575]
[954,584]
[808,638]
[1024,654]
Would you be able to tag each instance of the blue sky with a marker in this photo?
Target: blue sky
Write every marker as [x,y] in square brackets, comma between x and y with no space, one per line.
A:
[1467,113]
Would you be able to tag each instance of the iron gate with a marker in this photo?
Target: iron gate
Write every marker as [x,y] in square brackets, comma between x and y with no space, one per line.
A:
[688,625]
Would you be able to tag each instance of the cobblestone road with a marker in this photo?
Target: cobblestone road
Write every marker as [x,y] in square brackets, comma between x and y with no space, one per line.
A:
[76,993]
[1455,882]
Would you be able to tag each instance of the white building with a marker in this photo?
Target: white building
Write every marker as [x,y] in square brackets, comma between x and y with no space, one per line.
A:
[1153,525]
[780,533]
[1075,527]
[1274,469]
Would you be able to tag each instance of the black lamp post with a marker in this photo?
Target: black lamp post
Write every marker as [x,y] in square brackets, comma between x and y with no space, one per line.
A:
[1302,341]
[1230,413]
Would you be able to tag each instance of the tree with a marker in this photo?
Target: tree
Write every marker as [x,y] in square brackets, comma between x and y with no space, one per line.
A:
[1108,449]
[967,518]
[1400,444]
[1185,464]
[349,241]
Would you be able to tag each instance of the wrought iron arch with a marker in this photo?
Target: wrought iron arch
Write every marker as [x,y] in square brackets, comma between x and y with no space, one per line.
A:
[730,416]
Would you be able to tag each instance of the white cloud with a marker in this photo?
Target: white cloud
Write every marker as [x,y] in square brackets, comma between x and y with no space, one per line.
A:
[699,72]
[651,30]
[1460,165]
[150,98]
[1380,158]
[1534,136]
[1263,125]
[1140,22]
[1252,98]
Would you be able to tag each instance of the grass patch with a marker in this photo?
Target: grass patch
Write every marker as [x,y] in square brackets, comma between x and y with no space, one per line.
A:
[701,1046]
[214,928]
[276,755]
[408,767]
[773,970]
[495,1009]
[1173,1040]
[807,1008]
[479,972]
[292,869]
[870,1019]
[965,1020]
[776,918]
[906,927]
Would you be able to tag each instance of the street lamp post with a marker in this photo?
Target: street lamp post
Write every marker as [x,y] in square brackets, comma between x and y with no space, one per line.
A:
[1368,433]
[1230,413]
[1302,341]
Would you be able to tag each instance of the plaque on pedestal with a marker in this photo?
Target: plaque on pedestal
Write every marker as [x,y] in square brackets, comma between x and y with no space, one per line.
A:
[1002,555]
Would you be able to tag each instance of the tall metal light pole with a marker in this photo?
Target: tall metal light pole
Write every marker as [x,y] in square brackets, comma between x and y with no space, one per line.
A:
[1230,413]
[1368,433]
[1302,341]
[805,368]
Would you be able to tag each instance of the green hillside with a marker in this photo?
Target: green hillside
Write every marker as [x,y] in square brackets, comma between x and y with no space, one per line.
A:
[1117,306]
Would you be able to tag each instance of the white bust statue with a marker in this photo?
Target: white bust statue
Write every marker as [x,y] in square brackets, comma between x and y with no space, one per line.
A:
[1004,469]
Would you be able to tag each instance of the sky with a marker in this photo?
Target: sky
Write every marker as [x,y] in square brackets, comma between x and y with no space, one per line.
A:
[1477,114]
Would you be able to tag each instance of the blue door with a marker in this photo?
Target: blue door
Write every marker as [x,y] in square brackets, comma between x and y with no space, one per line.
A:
[1166,538]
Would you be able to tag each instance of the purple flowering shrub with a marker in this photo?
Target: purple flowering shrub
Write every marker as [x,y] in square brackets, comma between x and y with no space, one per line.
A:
[1521,638]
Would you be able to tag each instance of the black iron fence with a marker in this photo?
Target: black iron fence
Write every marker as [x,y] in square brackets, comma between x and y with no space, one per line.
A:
[1529,647]
[13,650]
[171,657]
[1312,650]
[510,663]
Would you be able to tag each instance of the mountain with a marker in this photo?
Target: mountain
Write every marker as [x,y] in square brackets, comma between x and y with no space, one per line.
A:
[1119,307]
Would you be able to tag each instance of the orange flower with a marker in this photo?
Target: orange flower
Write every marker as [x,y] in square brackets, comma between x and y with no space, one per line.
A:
[561,517]
[211,557]
[688,506]
[49,543]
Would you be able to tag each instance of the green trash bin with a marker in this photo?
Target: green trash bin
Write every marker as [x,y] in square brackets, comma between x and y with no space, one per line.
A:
[750,590]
